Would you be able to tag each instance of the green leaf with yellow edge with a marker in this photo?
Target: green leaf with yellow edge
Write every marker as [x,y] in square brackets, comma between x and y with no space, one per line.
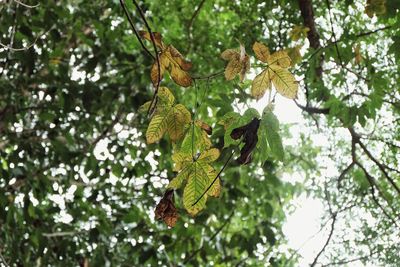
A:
[168,118]
[196,139]
[198,175]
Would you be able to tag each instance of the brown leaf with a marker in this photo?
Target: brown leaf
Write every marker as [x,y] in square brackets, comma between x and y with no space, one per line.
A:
[180,76]
[177,56]
[165,209]
[157,37]
[250,139]
[207,128]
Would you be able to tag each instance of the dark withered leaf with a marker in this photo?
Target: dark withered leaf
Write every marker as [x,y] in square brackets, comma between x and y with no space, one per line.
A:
[250,138]
[165,209]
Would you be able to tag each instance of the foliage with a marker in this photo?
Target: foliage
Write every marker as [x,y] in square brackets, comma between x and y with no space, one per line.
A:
[97,143]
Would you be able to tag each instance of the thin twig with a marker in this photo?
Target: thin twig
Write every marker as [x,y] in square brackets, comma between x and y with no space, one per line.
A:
[190,25]
[122,2]
[156,54]
[327,241]
[25,5]
[9,47]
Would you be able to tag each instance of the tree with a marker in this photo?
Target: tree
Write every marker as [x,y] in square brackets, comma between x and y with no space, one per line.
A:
[116,114]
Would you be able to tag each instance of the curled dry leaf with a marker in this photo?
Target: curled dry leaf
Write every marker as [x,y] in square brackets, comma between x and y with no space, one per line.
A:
[239,63]
[171,60]
[165,209]
[250,138]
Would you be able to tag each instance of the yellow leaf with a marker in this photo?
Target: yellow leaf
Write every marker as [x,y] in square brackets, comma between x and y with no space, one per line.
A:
[294,54]
[280,58]
[177,119]
[261,83]
[298,32]
[177,56]
[165,96]
[157,127]
[215,189]
[154,73]
[284,82]
[261,51]
[209,155]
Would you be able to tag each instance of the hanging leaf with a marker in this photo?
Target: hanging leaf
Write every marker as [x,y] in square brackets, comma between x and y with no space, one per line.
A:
[198,175]
[298,32]
[170,59]
[357,54]
[249,136]
[375,7]
[269,130]
[168,117]
[276,73]
[196,138]
[232,120]
[294,54]
[239,63]
[165,209]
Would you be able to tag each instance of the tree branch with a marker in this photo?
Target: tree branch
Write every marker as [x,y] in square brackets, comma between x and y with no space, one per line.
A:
[327,241]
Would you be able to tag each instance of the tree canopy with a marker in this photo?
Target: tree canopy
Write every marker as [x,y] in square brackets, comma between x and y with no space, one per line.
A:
[144,133]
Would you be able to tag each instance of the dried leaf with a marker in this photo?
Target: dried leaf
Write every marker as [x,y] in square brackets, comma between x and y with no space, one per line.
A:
[165,209]
[250,138]
[261,51]
[157,37]
[239,63]
[180,76]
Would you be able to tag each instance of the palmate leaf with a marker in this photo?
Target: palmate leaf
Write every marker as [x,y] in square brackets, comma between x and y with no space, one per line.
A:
[239,63]
[168,118]
[171,60]
[284,82]
[197,175]
[276,73]
[196,138]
